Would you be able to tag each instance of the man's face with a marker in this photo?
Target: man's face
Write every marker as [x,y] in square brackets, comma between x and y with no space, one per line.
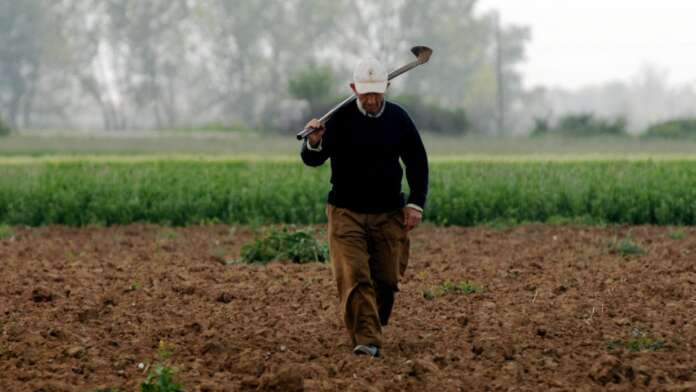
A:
[371,102]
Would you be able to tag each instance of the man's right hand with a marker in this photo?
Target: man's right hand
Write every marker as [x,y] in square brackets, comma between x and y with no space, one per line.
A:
[315,137]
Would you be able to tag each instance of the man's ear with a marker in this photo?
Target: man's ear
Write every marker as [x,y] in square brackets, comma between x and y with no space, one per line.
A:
[352,87]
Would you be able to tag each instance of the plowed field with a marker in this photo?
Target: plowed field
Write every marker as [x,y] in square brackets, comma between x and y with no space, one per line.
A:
[561,309]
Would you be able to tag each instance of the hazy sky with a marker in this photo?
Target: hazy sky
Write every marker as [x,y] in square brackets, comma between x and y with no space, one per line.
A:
[580,42]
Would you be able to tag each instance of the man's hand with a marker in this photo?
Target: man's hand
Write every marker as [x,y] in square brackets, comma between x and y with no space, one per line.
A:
[315,137]
[412,218]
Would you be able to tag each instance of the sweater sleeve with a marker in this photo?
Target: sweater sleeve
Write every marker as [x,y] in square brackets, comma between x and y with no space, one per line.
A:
[416,162]
[317,156]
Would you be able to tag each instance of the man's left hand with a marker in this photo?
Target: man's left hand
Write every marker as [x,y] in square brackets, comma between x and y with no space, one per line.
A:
[412,218]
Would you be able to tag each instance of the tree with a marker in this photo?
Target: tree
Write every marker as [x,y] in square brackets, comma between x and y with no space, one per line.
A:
[314,86]
[165,63]
[4,128]
[28,35]
[472,58]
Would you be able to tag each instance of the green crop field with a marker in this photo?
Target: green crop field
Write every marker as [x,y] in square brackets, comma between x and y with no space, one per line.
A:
[181,190]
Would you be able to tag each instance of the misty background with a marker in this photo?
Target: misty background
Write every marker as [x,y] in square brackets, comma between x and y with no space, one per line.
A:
[269,66]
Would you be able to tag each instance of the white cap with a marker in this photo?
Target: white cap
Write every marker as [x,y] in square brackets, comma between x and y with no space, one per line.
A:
[370,76]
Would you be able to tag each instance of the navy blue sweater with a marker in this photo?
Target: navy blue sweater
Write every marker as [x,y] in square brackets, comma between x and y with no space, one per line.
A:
[365,151]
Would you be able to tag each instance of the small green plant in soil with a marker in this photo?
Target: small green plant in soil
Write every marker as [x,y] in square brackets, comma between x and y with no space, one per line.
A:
[168,234]
[640,341]
[676,234]
[296,245]
[461,287]
[162,378]
[464,287]
[625,247]
[428,294]
[6,232]
[638,344]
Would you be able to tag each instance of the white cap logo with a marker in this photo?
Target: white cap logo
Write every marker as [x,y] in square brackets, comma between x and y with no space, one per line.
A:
[370,76]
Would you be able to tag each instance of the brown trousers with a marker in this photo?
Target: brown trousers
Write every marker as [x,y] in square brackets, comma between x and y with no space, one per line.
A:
[369,253]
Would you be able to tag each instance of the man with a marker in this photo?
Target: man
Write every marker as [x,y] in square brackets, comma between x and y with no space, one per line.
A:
[369,218]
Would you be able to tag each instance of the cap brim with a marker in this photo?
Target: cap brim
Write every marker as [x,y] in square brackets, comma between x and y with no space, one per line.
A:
[371,87]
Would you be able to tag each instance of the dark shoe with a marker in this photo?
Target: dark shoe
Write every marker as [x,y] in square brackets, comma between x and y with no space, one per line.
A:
[369,349]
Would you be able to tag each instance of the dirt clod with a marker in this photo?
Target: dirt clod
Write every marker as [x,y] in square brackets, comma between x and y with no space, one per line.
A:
[41,295]
[75,352]
[225,297]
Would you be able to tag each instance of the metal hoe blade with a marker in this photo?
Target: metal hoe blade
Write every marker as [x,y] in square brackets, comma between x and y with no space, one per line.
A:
[422,54]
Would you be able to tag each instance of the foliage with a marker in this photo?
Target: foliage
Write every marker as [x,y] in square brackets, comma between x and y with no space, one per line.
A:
[4,128]
[639,342]
[581,125]
[677,234]
[673,129]
[159,76]
[464,287]
[313,85]
[461,287]
[625,247]
[463,72]
[434,118]
[299,246]
[6,232]
[190,191]
[161,380]
[542,126]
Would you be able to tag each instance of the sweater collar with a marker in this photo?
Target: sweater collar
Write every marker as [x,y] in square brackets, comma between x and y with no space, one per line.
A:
[365,113]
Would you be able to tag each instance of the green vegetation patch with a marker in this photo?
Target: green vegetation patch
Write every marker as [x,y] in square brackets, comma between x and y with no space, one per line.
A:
[162,377]
[296,245]
[464,287]
[6,232]
[161,380]
[677,234]
[673,129]
[5,129]
[637,344]
[625,247]
[580,125]
[640,341]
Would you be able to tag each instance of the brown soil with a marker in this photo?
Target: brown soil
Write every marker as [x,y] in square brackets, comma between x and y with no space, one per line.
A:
[80,309]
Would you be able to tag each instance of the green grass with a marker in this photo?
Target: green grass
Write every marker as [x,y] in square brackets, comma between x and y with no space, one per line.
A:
[6,232]
[677,234]
[464,287]
[637,344]
[190,190]
[161,380]
[162,377]
[293,244]
[625,247]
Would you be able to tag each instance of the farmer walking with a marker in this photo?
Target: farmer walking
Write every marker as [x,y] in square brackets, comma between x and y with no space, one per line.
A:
[369,216]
